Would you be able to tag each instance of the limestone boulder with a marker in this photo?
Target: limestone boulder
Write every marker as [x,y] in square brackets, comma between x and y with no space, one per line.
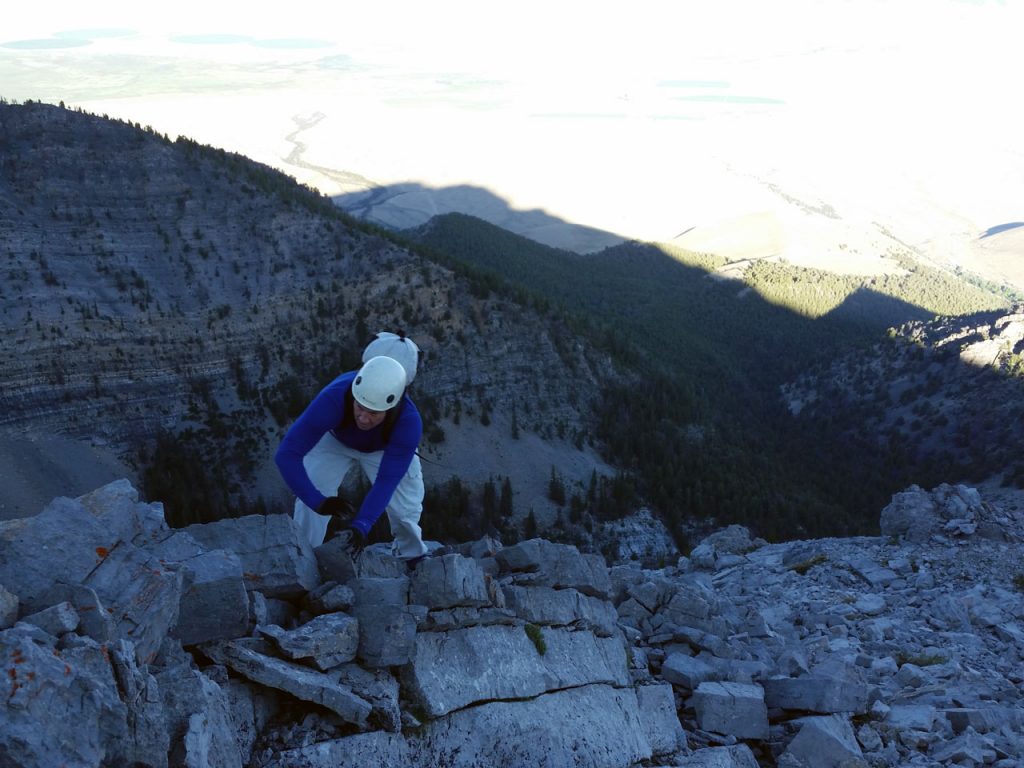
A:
[453,670]
[275,559]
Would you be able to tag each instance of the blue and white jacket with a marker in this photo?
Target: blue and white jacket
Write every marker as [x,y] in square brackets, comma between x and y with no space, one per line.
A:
[331,411]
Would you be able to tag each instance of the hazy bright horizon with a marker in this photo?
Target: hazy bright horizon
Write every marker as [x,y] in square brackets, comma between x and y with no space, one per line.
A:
[644,120]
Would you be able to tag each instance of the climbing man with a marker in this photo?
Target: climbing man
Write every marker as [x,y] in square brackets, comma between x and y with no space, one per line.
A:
[366,417]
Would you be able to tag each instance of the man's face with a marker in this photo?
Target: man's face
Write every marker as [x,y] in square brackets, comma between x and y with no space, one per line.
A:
[365,418]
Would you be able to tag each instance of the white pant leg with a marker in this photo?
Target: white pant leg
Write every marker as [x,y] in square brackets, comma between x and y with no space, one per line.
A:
[326,465]
[405,507]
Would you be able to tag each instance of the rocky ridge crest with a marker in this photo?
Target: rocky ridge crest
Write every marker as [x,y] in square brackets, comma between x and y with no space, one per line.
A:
[233,643]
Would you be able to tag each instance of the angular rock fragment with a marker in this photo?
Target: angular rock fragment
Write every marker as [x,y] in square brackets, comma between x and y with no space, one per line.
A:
[327,641]
[737,709]
[301,682]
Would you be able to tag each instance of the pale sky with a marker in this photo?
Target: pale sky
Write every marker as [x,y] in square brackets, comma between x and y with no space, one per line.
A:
[600,112]
[963,46]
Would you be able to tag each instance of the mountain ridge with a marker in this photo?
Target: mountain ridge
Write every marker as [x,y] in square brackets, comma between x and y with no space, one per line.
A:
[223,293]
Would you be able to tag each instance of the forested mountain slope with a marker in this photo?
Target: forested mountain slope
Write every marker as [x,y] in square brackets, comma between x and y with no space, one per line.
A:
[947,394]
[716,437]
[183,305]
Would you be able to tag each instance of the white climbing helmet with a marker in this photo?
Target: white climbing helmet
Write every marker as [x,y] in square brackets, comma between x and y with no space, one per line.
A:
[379,384]
[397,346]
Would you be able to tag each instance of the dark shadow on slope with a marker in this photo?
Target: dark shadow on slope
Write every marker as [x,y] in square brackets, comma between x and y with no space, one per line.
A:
[872,309]
[706,428]
[1001,228]
[406,205]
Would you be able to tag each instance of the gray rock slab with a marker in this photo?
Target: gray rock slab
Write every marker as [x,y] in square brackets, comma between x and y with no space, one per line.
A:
[968,748]
[732,709]
[199,718]
[328,640]
[60,707]
[870,605]
[547,564]
[561,608]
[734,540]
[803,553]
[275,559]
[982,720]
[595,725]
[377,561]
[387,623]
[911,717]
[387,626]
[142,594]
[210,742]
[738,756]
[451,670]
[738,670]
[658,718]
[825,694]
[948,612]
[148,725]
[874,574]
[869,739]
[461,618]
[792,662]
[378,749]
[913,676]
[910,514]
[116,506]
[686,671]
[95,620]
[215,602]
[301,682]
[330,598]
[334,562]
[387,635]
[825,742]
[703,556]
[451,581]
[372,592]
[62,544]
[251,708]
[916,514]
[56,620]
[377,686]
[694,604]
[270,610]
[649,594]
[633,612]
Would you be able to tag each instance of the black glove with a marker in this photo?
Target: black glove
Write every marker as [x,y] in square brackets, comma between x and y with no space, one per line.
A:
[336,506]
[342,514]
[353,541]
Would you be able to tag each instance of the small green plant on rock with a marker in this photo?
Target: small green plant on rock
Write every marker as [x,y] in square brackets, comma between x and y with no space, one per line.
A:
[534,633]
[921,659]
[806,565]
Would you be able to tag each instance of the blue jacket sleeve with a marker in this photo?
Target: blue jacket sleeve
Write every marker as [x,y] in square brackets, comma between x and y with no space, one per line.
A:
[319,418]
[398,454]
